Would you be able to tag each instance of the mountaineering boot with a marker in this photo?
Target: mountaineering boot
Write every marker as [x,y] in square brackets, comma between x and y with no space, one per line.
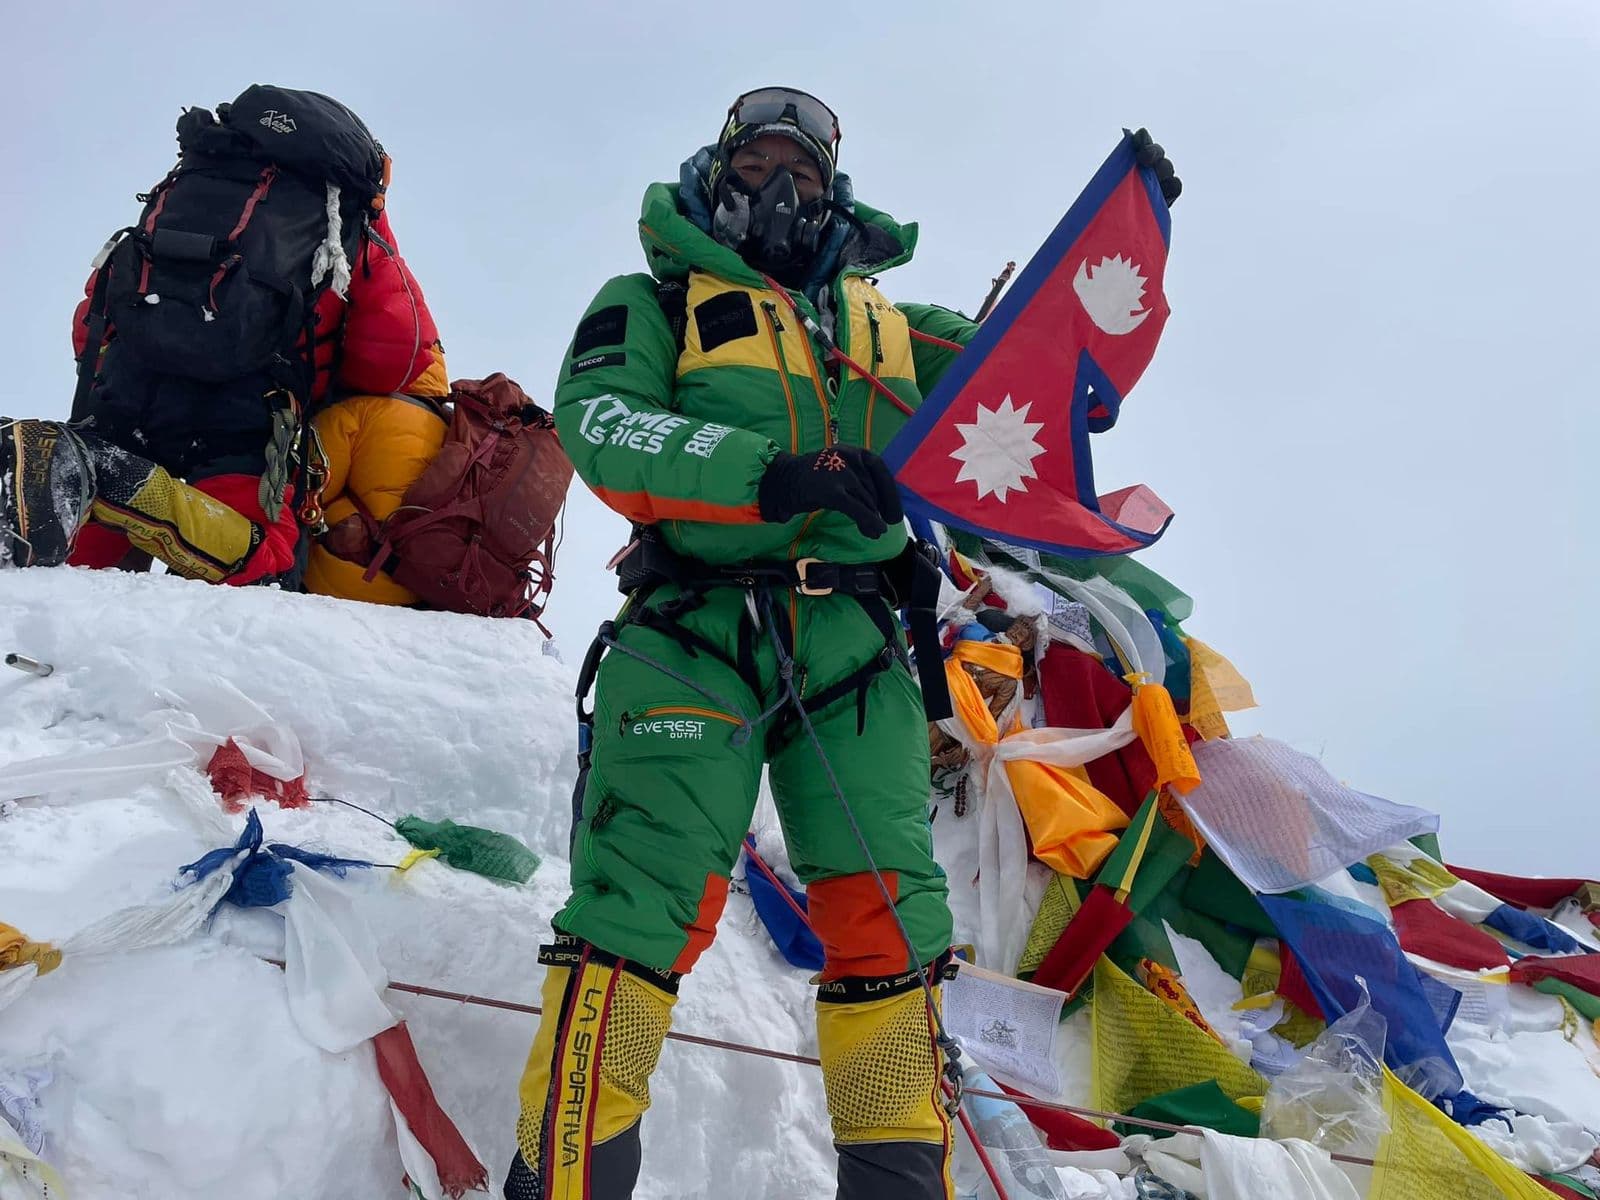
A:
[881,1068]
[197,536]
[587,1082]
[47,484]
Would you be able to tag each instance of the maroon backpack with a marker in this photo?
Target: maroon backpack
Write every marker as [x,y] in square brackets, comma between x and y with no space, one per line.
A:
[476,532]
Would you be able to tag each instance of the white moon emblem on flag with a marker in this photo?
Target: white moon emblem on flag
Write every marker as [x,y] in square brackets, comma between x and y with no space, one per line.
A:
[998,449]
[1112,293]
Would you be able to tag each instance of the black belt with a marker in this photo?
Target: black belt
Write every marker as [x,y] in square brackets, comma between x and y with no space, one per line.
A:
[808,576]
[909,581]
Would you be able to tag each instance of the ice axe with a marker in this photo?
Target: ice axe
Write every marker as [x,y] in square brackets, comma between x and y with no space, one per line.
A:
[996,285]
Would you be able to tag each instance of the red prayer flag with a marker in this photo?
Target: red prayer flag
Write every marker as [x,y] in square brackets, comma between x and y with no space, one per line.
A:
[402,1073]
[1425,929]
[1582,971]
[1093,927]
[1294,987]
[236,781]
[1520,891]
[1063,1130]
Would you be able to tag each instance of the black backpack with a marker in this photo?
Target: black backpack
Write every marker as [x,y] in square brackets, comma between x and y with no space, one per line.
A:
[220,278]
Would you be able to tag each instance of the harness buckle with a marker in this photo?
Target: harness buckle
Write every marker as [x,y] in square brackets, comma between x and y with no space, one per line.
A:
[802,568]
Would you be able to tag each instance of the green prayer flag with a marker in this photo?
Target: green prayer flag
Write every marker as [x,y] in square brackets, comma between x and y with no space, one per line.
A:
[1146,588]
[1428,843]
[1587,1006]
[1204,1104]
[1217,892]
[1148,854]
[1229,946]
[470,848]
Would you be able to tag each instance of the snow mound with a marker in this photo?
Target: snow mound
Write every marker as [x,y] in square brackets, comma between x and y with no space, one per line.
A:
[179,1072]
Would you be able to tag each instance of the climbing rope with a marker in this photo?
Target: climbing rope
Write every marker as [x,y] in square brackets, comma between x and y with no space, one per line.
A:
[941,1036]
[806,1060]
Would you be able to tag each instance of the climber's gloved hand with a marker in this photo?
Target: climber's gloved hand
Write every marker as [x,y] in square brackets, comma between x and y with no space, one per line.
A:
[846,479]
[1150,154]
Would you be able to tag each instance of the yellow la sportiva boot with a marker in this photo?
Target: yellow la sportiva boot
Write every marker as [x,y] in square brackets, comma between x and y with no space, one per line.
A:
[882,1068]
[587,1082]
[197,536]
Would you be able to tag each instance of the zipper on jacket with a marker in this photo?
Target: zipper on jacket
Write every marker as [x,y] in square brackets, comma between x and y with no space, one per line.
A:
[877,360]
[805,526]
[830,423]
[877,337]
[774,328]
[603,813]
[586,839]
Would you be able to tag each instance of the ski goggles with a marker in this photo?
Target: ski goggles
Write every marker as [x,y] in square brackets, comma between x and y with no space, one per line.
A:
[776,105]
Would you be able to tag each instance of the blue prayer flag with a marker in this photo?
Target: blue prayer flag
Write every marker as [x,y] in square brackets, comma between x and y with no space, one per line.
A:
[794,941]
[1333,947]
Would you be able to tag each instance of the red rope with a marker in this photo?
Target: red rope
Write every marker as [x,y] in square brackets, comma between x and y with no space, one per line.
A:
[943,343]
[834,352]
[983,1153]
[806,1060]
[761,865]
[873,381]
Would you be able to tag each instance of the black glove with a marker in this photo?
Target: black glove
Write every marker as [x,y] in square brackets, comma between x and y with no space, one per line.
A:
[846,479]
[1150,154]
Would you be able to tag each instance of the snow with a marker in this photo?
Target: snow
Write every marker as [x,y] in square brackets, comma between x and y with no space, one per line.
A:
[179,1072]
[1544,1066]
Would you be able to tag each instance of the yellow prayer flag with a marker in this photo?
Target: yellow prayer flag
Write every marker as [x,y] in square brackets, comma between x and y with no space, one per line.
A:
[1211,726]
[1156,722]
[16,950]
[1589,897]
[1215,687]
[1420,879]
[413,858]
[1071,823]
[1427,1156]
[1057,907]
[1143,1048]
[1260,983]
[1262,970]
[21,1168]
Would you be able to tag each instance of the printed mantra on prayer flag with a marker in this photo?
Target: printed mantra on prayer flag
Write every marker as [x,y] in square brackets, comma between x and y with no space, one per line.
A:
[1001,446]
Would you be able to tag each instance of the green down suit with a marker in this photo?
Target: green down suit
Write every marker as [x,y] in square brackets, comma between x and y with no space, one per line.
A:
[673,428]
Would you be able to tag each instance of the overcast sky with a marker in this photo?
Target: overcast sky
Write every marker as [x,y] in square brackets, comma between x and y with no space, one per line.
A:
[1374,407]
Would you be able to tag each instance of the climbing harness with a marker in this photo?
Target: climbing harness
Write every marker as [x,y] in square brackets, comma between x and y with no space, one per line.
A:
[954,1081]
[648,564]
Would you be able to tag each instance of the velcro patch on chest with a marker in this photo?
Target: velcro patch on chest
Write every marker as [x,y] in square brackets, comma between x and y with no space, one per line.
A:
[606,327]
[724,318]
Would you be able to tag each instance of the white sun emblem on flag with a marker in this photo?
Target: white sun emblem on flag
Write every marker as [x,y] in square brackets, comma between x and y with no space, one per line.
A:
[1112,293]
[998,449]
